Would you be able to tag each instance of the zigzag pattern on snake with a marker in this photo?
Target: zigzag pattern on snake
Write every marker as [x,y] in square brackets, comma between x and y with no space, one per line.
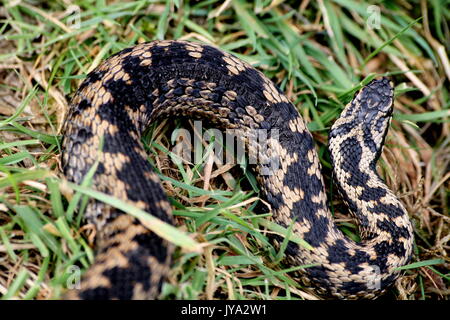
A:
[150,81]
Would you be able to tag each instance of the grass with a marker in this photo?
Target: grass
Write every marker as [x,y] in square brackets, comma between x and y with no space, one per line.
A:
[319,53]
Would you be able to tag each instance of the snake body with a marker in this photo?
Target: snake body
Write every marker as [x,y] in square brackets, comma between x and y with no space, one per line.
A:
[132,88]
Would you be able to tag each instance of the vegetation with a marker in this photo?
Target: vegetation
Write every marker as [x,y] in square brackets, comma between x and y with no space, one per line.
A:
[319,53]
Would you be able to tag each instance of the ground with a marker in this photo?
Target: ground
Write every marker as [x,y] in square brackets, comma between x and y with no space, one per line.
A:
[319,53]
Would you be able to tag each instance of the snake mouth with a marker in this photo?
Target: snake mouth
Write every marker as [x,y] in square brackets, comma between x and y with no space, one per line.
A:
[369,115]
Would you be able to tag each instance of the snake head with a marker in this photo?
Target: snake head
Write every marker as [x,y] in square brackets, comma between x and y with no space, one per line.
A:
[375,111]
[375,100]
[366,118]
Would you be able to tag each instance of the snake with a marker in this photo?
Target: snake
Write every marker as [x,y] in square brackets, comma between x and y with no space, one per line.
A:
[163,79]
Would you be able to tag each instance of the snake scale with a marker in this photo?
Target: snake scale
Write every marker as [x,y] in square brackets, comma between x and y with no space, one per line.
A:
[150,81]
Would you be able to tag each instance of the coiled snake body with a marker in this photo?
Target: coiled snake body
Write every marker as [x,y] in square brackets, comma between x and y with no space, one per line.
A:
[132,88]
